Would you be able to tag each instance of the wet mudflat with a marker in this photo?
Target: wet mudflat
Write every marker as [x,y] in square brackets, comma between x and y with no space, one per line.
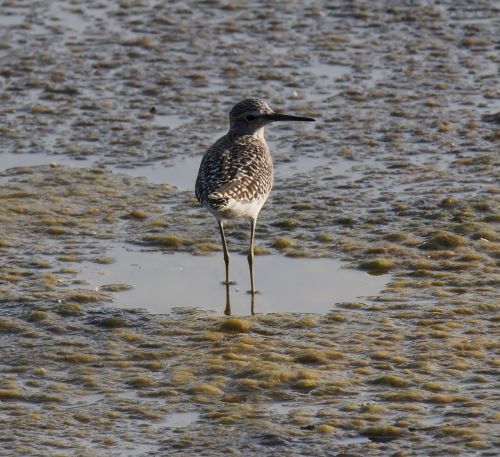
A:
[106,110]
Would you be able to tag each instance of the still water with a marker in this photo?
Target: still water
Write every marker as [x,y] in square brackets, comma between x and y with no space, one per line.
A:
[165,281]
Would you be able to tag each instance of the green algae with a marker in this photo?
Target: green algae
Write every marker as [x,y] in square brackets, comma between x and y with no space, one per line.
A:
[113,322]
[168,241]
[236,325]
[377,266]
[69,309]
[282,243]
[392,381]
[115,287]
[444,240]
[286,224]
[383,433]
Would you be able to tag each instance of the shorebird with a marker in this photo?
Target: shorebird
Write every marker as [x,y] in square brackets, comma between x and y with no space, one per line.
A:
[236,172]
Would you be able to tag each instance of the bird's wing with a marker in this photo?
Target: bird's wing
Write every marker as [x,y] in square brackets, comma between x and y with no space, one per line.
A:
[245,171]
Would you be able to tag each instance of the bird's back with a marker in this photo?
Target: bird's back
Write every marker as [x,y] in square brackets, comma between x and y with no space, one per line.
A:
[235,171]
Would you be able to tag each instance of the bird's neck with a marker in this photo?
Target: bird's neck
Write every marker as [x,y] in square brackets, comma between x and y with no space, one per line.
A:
[259,134]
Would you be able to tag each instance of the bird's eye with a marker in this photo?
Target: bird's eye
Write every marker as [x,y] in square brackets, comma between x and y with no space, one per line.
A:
[250,118]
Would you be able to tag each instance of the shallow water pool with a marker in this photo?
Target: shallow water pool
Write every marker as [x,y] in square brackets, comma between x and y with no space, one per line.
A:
[165,281]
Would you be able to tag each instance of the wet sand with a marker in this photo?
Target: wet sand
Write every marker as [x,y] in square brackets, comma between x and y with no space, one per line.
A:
[393,194]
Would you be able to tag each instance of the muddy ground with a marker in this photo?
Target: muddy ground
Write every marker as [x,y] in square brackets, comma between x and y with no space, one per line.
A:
[403,182]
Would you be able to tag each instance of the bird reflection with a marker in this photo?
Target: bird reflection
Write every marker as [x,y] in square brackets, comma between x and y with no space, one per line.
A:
[227,310]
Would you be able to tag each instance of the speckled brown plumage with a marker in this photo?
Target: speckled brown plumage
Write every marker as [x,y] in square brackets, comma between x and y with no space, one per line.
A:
[238,168]
[236,172]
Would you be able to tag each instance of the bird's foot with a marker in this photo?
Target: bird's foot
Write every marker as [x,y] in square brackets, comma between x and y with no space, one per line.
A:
[253,292]
[228,283]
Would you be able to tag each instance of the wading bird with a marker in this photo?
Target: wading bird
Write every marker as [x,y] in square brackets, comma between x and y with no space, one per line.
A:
[236,172]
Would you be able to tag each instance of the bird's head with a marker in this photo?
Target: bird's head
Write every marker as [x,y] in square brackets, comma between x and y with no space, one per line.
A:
[251,115]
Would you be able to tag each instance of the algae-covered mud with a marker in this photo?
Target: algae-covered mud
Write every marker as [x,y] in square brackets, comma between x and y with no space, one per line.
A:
[106,109]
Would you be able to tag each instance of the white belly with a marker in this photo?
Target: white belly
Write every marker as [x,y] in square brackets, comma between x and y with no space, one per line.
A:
[236,209]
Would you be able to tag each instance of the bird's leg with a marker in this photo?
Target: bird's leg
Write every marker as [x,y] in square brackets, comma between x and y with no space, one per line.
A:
[251,255]
[226,253]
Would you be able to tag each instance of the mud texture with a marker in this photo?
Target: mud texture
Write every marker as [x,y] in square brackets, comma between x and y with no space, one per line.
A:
[404,181]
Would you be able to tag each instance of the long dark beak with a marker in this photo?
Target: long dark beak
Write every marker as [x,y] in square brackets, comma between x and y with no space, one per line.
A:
[286,117]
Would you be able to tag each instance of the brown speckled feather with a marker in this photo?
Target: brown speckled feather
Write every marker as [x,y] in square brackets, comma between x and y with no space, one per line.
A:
[238,168]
